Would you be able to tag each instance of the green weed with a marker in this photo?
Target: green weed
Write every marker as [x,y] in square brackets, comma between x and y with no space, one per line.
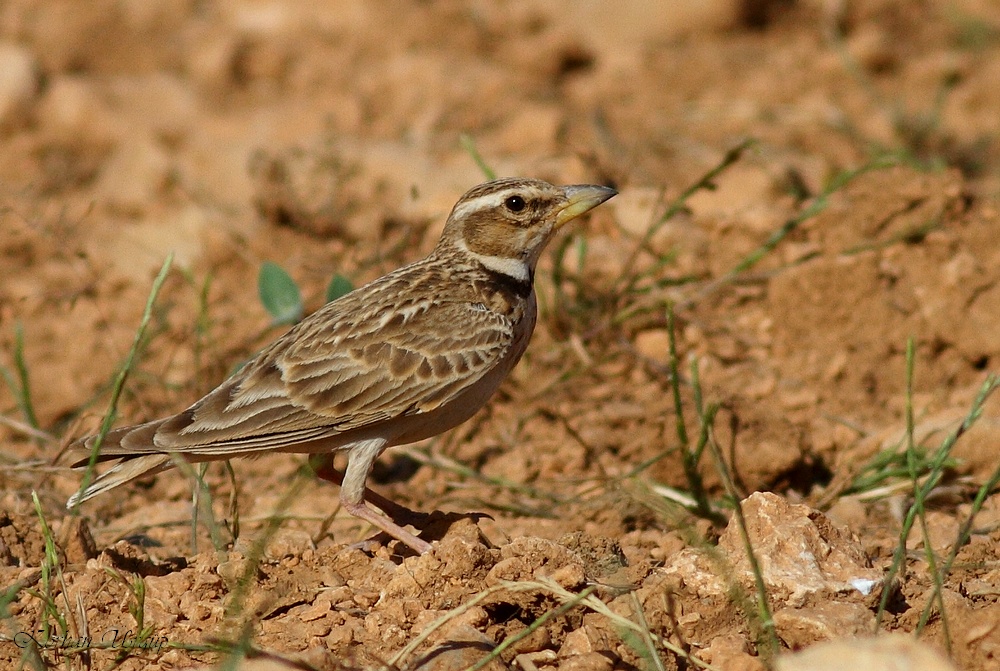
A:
[279,294]
[19,381]
[469,145]
[924,473]
[119,384]
[282,298]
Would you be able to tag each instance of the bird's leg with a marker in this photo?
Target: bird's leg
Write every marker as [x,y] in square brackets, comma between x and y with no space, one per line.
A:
[323,466]
[353,493]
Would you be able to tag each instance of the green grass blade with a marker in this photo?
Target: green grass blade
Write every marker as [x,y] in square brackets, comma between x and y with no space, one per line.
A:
[20,388]
[469,145]
[123,374]
[937,466]
[706,181]
[770,644]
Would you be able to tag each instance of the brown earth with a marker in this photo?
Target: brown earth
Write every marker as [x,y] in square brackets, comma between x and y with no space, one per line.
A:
[326,137]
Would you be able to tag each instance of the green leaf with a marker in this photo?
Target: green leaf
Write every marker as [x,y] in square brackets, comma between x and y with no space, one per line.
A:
[279,294]
[338,286]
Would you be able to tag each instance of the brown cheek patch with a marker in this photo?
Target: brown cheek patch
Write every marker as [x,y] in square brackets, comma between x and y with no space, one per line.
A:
[486,237]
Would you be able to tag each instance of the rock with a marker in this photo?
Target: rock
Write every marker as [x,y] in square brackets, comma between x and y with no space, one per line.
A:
[893,652]
[577,642]
[137,249]
[464,648]
[78,543]
[800,552]
[799,627]
[739,190]
[818,580]
[802,555]
[534,558]
[164,105]
[637,208]
[731,652]
[637,22]
[532,128]
[654,344]
[73,111]
[272,664]
[288,543]
[18,81]
[591,661]
[135,175]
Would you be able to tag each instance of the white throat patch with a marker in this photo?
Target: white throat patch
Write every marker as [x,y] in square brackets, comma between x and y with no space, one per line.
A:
[515,268]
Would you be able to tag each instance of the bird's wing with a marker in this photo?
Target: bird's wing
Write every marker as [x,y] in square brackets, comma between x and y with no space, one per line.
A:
[328,376]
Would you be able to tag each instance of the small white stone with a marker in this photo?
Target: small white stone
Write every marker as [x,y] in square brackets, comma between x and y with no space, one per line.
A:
[864,585]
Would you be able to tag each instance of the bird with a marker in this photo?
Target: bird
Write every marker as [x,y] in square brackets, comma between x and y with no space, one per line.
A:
[405,357]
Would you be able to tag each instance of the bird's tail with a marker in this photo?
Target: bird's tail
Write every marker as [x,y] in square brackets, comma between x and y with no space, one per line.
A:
[126,469]
[131,446]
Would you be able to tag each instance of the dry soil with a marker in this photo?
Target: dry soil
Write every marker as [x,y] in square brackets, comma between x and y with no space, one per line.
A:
[328,137]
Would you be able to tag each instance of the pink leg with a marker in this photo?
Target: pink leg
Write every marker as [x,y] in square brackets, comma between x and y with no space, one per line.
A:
[362,511]
[325,471]
[353,494]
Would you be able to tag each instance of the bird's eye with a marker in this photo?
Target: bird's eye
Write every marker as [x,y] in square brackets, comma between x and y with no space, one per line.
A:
[514,203]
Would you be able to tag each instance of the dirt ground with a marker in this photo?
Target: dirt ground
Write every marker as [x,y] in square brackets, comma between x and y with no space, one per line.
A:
[328,138]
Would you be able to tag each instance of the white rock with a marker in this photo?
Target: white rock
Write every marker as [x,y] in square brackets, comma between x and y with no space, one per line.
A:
[893,652]
[804,559]
[801,553]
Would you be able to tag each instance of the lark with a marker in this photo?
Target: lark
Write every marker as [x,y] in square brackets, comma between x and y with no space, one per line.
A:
[403,358]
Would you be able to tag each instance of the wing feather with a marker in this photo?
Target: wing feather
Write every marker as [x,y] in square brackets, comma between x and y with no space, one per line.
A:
[326,377]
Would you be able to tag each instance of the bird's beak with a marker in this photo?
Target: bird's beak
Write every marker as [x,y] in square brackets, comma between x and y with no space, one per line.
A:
[581,198]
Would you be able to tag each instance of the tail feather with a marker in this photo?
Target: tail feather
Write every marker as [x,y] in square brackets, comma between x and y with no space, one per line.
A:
[123,471]
[132,446]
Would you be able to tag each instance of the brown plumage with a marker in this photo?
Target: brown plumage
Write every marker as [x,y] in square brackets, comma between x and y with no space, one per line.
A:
[403,358]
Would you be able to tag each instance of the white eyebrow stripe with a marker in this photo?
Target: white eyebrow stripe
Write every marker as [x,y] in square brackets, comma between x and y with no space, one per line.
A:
[485,201]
